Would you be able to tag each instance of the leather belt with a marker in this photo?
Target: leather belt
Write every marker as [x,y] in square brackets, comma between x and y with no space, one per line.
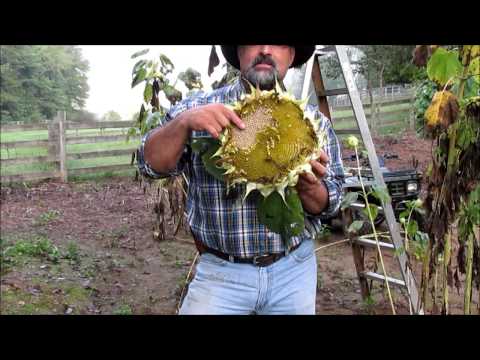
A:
[261,261]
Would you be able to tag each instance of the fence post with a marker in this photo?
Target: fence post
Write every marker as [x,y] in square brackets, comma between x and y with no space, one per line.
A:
[57,144]
[61,115]
[412,118]
[53,140]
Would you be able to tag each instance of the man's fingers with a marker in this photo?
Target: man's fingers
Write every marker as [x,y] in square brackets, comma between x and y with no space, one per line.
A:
[318,169]
[323,157]
[307,178]
[212,131]
[234,118]
[222,120]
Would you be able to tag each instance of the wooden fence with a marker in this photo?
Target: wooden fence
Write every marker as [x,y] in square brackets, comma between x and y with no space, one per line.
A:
[380,95]
[57,148]
[403,118]
[58,140]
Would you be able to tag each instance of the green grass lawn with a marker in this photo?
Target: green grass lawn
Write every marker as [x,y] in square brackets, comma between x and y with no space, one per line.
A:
[349,112]
[384,118]
[71,149]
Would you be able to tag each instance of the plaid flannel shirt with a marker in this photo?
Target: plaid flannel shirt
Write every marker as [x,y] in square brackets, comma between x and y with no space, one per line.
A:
[223,221]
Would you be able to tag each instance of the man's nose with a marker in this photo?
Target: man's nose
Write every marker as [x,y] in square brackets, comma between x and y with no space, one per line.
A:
[266,49]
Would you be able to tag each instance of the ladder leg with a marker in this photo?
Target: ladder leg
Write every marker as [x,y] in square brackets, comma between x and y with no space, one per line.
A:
[358,254]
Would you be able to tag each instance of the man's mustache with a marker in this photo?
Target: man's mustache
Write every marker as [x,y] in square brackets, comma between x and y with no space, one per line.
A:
[263,59]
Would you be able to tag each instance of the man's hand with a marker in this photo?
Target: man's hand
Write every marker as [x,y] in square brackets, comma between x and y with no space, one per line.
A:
[311,189]
[212,118]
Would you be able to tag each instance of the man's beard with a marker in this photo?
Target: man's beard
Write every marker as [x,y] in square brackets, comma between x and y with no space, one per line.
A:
[264,79]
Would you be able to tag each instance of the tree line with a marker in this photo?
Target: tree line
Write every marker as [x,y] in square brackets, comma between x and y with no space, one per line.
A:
[37,81]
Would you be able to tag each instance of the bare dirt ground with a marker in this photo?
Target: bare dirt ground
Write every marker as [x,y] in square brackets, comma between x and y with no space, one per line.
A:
[108,262]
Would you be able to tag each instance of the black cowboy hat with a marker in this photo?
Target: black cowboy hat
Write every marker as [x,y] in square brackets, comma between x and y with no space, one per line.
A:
[302,54]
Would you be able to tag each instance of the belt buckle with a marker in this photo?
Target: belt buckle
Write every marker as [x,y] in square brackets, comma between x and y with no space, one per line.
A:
[258,260]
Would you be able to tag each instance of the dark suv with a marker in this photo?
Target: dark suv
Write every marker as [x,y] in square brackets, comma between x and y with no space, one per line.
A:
[403,185]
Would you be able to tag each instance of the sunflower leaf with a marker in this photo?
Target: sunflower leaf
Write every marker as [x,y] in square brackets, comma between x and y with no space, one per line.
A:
[201,145]
[443,65]
[282,217]
[206,148]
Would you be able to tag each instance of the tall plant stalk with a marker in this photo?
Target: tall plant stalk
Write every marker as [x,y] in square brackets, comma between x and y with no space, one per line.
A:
[370,217]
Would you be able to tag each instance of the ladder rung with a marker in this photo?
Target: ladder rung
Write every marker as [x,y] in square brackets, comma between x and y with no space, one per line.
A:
[373,243]
[325,49]
[374,276]
[347,131]
[334,92]
[357,184]
[359,205]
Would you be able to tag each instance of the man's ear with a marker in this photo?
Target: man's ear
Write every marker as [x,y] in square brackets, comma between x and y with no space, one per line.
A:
[292,55]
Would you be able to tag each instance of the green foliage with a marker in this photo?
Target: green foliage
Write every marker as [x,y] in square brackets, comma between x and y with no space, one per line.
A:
[72,253]
[46,217]
[474,70]
[381,193]
[207,147]
[111,116]
[123,309]
[191,78]
[231,75]
[424,92]
[469,214]
[371,212]
[348,200]
[420,245]
[140,53]
[37,81]
[155,77]
[324,233]
[81,116]
[443,66]
[283,217]
[355,226]
[39,247]
[389,64]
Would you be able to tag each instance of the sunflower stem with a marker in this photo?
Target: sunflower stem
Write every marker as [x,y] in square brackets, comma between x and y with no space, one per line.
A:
[370,217]
[468,281]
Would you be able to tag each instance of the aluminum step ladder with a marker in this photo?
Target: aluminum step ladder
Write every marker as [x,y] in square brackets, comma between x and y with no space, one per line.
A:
[359,243]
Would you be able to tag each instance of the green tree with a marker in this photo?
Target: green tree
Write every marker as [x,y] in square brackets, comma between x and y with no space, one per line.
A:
[379,65]
[81,116]
[37,81]
[111,116]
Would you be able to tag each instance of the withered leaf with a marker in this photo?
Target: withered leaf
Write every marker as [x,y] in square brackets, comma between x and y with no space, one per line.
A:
[443,110]
[458,285]
[472,108]
[420,55]
[213,60]
[449,276]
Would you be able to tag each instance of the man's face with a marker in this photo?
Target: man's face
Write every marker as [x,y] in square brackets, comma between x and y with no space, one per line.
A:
[261,64]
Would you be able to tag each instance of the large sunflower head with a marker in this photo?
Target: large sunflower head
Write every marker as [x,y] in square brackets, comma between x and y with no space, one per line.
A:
[278,143]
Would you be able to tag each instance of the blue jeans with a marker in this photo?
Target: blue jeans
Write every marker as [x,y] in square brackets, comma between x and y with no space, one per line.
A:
[287,286]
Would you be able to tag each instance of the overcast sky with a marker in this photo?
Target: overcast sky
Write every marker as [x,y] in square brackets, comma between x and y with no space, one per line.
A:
[110,72]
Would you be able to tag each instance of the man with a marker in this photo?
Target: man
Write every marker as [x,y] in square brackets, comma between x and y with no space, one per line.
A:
[244,268]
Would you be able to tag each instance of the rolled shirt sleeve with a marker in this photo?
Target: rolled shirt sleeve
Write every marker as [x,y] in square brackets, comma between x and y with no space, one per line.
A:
[145,169]
[333,180]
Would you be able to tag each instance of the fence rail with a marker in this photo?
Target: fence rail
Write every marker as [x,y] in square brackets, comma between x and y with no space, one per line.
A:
[380,95]
[56,146]
[58,139]
[25,144]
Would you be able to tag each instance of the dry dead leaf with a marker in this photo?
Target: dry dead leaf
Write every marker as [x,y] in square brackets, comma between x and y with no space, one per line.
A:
[420,55]
[443,110]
